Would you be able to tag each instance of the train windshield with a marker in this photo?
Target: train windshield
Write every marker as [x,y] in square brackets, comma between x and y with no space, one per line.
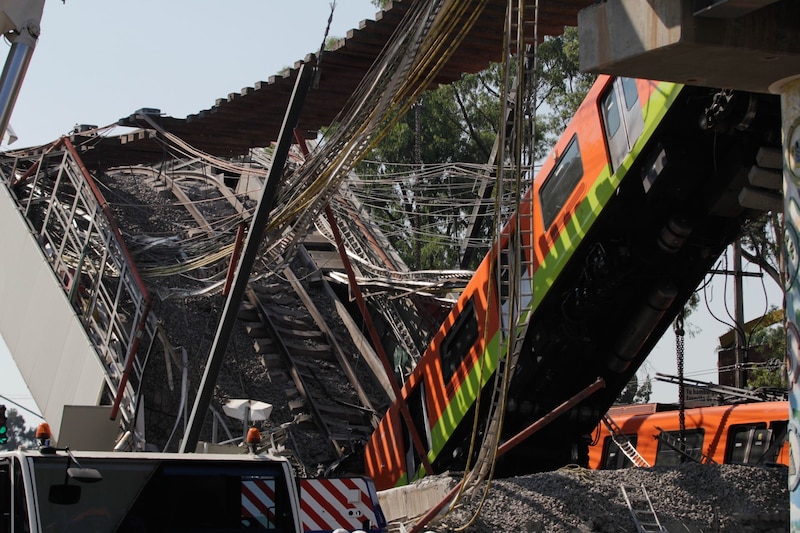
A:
[163,496]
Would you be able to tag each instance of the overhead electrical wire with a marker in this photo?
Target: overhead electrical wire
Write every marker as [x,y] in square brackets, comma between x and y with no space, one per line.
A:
[421,45]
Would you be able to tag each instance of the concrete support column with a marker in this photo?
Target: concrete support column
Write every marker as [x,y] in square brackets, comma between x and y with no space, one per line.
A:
[790,110]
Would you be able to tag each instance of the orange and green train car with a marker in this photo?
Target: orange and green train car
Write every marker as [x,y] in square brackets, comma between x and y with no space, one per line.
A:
[747,433]
[630,210]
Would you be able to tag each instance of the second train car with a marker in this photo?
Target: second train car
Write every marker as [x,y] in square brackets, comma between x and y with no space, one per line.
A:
[746,433]
[639,197]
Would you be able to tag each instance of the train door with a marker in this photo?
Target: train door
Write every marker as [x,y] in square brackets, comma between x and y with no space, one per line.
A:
[622,117]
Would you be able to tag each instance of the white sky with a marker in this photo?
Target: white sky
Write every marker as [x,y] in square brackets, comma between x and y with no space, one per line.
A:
[100,60]
[704,328]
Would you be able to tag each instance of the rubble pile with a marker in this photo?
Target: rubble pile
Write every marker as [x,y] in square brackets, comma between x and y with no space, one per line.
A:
[686,498]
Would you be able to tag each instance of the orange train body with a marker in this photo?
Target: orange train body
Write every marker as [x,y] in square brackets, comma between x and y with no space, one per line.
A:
[750,433]
[619,226]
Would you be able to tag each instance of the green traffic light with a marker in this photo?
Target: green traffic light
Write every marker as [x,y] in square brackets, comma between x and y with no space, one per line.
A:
[3,427]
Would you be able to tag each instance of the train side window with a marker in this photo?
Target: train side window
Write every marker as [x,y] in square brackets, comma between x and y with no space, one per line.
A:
[613,458]
[748,443]
[563,179]
[458,341]
[668,456]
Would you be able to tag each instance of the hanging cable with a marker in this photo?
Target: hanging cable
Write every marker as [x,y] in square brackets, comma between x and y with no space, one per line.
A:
[679,352]
[509,265]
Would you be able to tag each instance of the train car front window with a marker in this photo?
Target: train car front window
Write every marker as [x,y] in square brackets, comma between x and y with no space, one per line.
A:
[629,92]
[559,185]
[611,114]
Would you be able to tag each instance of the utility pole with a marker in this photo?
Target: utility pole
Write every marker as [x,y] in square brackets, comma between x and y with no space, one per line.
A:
[740,352]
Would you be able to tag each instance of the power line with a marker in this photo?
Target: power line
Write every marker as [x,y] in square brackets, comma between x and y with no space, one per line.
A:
[37,415]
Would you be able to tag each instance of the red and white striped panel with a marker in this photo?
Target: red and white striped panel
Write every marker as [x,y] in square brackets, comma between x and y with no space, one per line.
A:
[258,501]
[327,504]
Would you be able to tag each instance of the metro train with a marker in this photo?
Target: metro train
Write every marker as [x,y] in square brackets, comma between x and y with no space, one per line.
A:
[745,433]
[639,197]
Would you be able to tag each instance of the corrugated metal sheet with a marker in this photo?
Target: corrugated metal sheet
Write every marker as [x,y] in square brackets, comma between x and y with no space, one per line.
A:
[252,116]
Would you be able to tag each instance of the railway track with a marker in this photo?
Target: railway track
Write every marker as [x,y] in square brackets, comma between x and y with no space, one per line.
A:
[332,412]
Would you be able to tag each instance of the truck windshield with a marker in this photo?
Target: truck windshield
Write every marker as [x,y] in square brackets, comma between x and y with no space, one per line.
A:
[142,495]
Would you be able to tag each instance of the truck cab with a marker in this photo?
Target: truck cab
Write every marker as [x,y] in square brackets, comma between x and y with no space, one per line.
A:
[61,491]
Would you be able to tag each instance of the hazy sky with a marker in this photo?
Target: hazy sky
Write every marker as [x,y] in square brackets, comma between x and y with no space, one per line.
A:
[100,60]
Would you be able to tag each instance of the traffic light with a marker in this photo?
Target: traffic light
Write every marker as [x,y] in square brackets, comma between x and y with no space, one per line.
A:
[3,427]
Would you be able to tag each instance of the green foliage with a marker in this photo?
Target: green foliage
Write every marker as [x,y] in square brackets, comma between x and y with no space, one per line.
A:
[761,244]
[771,342]
[562,86]
[425,215]
[635,392]
[18,433]
[331,43]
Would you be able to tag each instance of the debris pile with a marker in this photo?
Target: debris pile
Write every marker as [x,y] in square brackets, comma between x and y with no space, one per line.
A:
[686,498]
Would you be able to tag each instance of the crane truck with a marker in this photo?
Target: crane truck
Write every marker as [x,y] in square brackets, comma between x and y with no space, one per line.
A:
[57,490]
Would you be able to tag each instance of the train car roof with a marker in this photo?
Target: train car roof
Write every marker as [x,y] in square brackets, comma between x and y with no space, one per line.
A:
[649,408]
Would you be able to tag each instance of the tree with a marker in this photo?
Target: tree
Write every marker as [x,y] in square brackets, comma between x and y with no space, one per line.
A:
[770,341]
[636,393]
[19,434]
[426,213]
[761,244]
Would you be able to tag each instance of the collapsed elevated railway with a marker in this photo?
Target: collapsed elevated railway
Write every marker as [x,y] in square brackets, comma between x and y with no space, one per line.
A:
[300,358]
[643,192]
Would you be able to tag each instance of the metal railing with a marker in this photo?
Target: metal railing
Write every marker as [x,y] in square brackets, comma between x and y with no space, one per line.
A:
[70,219]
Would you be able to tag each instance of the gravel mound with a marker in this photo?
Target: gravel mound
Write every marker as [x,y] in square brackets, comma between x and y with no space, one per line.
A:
[686,498]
